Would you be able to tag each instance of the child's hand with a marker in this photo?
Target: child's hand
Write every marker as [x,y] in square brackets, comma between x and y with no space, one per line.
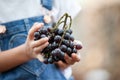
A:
[33,48]
[69,60]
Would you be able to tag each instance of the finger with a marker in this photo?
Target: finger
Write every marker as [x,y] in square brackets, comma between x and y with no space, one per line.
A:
[39,42]
[69,60]
[34,28]
[62,65]
[36,23]
[75,57]
[40,48]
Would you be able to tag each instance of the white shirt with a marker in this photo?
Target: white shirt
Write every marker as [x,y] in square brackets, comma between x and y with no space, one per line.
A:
[11,10]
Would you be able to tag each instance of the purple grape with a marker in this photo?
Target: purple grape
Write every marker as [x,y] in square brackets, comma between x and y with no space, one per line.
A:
[56,59]
[43,36]
[60,32]
[61,55]
[63,48]
[43,31]
[69,51]
[71,38]
[57,38]
[54,45]
[78,46]
[55,52]
[50,60]
[45,61]
[66,42]
[56,31]
[71,45]
[69,31]
[49,29]
[74,50]
[51,39]
[67,36]
[37,35]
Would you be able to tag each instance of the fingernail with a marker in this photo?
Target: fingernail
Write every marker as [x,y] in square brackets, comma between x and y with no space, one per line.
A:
[46,38]
[41,24]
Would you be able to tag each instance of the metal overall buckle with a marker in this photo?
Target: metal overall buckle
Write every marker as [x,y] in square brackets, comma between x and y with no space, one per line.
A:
[2,29]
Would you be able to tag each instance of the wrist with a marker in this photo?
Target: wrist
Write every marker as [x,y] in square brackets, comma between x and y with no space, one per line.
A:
[25,53]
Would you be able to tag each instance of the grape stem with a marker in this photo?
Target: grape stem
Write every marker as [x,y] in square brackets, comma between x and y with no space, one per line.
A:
[64,20]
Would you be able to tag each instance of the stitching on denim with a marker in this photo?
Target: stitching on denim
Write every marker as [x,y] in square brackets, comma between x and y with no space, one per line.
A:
[27,25]
[41,69]
[36,73]
[27,68]
[10,44]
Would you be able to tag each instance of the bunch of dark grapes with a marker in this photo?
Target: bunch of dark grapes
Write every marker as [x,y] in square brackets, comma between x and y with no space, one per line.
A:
[60,41]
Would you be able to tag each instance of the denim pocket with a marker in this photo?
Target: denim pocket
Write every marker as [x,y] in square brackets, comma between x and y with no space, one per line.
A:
[17,40]
[34,67]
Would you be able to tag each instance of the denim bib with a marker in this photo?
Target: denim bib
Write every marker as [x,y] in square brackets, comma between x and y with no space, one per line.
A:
[15,35]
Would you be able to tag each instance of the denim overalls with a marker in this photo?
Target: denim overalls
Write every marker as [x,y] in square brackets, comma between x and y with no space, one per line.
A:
[15,35]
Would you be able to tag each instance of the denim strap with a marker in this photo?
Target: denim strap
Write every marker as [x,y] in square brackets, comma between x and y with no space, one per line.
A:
[47,4]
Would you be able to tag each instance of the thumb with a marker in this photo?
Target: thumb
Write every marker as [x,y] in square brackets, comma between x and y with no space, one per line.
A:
[34,28]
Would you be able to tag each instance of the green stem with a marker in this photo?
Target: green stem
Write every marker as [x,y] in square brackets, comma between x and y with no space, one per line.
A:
[66,26]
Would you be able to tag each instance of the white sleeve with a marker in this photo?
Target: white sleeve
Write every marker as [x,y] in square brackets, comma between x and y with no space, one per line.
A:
[67,73]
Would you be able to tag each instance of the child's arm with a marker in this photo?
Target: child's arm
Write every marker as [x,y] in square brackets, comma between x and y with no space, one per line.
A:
[12,58]
[21,54]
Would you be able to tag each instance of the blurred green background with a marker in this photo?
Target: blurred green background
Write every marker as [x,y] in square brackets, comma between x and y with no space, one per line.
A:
[98,27]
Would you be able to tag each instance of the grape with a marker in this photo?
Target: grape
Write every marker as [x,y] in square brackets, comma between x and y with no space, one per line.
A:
[43,31]
[51,39]
[66,42]
[50,60]
[60,42]
[69,50]
[43,36]
[71,38]
[61,55]
[74,50]
[37,35]
[69,31]
[55,52]
[60,32]
[54,45]
[78,46]
[56,31]
[67,36]
[45,61]
[71,45]
[63,48]
[49,29]
[55,58]
[57,38]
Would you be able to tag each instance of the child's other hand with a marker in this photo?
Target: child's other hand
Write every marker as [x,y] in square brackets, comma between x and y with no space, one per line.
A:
[33,48]
[75,57]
